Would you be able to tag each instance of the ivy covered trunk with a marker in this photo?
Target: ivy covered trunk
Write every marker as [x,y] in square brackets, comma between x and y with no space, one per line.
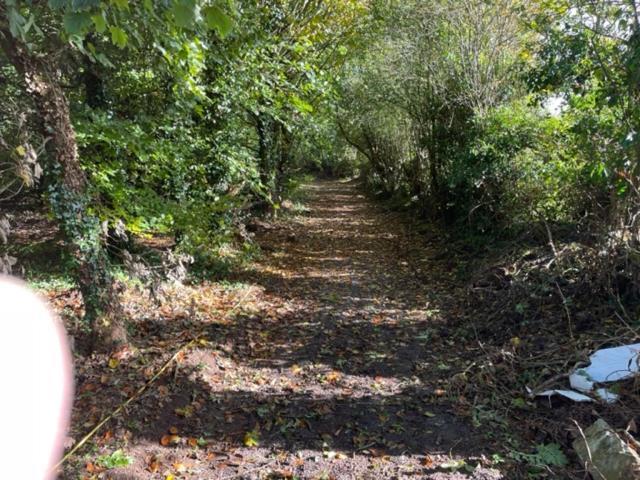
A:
[266,129]
[273,154]
[70,198]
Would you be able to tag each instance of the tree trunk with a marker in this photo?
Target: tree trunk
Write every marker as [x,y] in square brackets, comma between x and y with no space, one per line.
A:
[69,196]
[265,128]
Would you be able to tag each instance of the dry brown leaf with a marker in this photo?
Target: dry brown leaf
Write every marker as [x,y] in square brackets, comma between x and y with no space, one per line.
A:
[427,461]
[153,465]
[93,468]
[332,377]
[167,440]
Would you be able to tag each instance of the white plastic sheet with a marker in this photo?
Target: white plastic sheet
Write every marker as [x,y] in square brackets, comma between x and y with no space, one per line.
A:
[607,365]
[570,394]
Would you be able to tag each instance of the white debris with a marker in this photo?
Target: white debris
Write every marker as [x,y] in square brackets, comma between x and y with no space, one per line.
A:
[607,365]
[606,396]
[580,381]
[570,394]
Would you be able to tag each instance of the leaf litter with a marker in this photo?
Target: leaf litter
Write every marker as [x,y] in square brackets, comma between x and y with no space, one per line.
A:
[338,363]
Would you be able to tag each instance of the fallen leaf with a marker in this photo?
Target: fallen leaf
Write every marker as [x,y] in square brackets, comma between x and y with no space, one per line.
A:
[167,440]
[252,438]
[108,435]
[427,461]
[87,387]
[179,466]
[332,377]
[153,465]
[93,468]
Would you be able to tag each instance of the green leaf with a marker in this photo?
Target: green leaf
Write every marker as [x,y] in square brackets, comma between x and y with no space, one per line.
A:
[102,59]
[76,23]
[252,438]
[217,20]
[551,454]
[301,105]
[121,4]
[16,22]
[115,460]
[99,22]
[184,13]
[118,36]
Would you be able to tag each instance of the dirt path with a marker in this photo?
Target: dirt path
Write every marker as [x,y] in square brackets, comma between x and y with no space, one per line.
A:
[334,369]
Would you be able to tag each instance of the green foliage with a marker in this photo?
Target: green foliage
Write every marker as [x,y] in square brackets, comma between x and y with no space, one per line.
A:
[546,455]
[192,115]
[520,167]
[443,122]
[181,133]
[116,459]
[216,19]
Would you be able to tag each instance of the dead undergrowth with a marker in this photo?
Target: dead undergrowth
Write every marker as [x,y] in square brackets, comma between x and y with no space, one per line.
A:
[535,314]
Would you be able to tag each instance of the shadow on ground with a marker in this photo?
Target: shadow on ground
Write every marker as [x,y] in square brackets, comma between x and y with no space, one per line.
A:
[335,370]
